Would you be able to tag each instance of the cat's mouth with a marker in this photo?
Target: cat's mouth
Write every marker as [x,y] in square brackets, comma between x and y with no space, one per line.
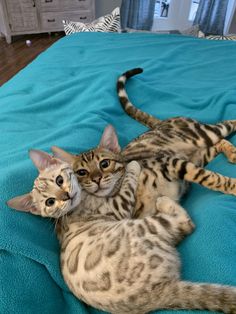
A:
[102,191]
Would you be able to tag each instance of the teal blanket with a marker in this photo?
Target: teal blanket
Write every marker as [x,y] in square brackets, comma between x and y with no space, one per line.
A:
[66,97]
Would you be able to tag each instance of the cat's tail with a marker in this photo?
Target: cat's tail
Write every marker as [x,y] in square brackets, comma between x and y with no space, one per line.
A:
[142,117]
[190,296]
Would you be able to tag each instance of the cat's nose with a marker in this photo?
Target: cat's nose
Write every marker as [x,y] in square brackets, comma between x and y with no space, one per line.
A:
[65,196]
[97,179]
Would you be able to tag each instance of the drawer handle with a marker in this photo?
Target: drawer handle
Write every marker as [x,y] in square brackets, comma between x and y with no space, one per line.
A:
[47,1]
[81,0]
[51,20]
[83,18]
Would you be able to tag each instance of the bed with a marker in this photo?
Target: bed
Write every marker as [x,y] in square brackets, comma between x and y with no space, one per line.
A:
[66,97]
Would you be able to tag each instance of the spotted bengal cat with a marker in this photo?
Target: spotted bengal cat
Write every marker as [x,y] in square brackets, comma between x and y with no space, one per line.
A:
[115,263]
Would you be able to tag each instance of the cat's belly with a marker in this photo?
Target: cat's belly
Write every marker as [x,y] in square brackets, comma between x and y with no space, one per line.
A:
[107,263]
[152,185]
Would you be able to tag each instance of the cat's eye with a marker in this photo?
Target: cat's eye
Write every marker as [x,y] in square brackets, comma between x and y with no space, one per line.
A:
[82,172]
[50,201]
[59,180]
[104,163]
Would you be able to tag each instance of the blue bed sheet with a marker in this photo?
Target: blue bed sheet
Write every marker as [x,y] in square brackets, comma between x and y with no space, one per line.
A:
[66,97]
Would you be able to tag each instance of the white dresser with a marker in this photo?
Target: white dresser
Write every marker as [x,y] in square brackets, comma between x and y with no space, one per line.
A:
[19,17]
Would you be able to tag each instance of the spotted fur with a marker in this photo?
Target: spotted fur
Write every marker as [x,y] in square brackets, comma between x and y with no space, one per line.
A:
[166,174]
[174,151]
[115,263]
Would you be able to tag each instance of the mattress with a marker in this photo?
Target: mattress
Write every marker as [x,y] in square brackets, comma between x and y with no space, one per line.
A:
[66,97]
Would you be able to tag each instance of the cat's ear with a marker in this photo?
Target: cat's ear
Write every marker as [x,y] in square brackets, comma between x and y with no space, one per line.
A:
[109,140]
[42,160]
[22,203]
[62,154]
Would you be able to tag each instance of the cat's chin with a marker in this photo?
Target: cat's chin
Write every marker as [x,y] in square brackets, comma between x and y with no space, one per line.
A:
[104,192]
[107,190]
[74,202]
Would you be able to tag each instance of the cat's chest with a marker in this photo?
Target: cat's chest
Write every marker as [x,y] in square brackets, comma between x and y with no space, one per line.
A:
[92,204]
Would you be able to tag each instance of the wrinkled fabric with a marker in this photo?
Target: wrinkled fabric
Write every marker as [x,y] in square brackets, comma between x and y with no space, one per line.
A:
[66,97]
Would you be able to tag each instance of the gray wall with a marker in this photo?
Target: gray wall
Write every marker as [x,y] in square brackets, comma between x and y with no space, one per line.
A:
[105,6]
[177,18]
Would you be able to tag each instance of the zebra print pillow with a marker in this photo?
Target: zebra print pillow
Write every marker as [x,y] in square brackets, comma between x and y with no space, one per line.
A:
[107,23]
[221,37]
[196,32]
[217,37]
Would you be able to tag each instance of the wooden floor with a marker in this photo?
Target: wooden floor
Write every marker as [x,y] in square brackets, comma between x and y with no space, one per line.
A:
[15,56]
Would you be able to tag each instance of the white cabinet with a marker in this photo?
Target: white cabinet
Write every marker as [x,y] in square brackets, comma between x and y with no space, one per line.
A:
[19,17]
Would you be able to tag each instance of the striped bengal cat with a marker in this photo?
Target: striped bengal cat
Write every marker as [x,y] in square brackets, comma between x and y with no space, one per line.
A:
[119,265]
[175,149]
[165,171]
[171,154]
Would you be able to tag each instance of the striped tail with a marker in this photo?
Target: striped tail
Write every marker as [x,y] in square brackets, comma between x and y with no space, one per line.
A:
[190,296]
[142,117]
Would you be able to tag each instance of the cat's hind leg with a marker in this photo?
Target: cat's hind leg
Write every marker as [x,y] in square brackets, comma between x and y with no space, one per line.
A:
[208,154]
[188,171]
[228,149]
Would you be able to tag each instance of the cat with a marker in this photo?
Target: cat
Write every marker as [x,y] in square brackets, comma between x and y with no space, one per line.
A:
[57,178]
[175,135]
[161,175]
[171,154]
[181,146]
[119,265]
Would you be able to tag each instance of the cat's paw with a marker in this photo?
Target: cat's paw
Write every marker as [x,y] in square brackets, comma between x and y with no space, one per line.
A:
[165,205]
[232,156]
[134,167]
[228,149]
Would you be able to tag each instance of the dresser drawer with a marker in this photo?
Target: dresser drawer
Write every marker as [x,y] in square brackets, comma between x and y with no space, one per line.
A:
[76,4]
[53,20]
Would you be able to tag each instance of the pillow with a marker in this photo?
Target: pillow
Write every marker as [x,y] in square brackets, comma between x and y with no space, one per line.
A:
[196,32]
[106,23]
[133,30]
[221,37]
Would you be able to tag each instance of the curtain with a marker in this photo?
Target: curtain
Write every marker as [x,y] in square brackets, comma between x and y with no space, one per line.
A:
[137,14]
[210,16]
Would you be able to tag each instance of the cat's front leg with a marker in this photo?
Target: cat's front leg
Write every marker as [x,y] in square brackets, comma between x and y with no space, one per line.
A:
[124,201]
[179,216]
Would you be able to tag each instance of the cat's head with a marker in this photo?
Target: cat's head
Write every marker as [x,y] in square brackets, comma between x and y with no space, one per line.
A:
[55,192]
[99,171]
